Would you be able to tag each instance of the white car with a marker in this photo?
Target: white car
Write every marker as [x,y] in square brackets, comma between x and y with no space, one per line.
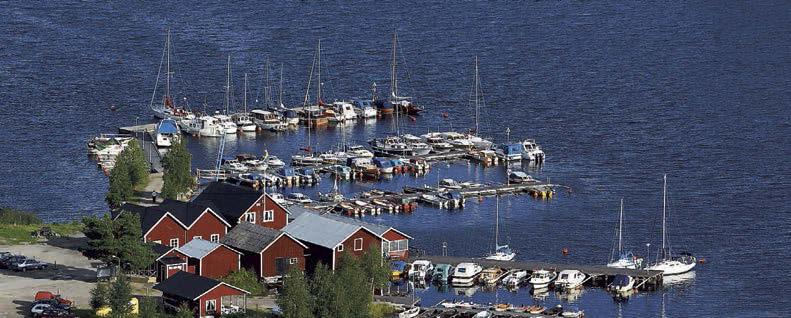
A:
[38,309]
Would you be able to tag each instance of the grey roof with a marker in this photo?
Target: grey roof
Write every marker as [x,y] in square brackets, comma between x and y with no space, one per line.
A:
[250,237]
[295,211]
[320,230]
[198,248]
[379,229]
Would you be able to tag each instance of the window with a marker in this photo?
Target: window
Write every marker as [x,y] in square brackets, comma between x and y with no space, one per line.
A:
[293,260]
[211,305]
[174,242]
[158,241]
[399,245]
[340,248]
[197,237]
[249,217]
[358,244]
[215,238]
[269,216]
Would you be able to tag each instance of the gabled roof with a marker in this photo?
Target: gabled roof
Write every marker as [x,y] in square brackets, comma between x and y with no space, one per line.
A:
[198,248]
[320,230]
[228,199]
[190,286]
[185,213]
[377,229]
[160,249]
[253,238]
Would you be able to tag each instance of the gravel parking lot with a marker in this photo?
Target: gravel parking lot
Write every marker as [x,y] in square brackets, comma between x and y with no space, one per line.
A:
[71,274]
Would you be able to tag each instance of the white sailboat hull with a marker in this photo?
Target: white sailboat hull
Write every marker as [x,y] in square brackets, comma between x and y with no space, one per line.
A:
[672,267]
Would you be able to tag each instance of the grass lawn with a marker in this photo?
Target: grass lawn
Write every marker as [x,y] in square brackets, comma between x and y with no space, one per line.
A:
[11,234]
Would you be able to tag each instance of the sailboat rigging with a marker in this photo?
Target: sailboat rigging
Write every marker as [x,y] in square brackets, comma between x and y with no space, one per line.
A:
[626,259]
[669,264]
[501,252]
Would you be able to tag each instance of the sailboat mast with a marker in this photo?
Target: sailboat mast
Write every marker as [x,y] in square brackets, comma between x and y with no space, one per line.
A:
[497,223]
[245,93]
[167,71]
[664,214]
[476,95]
[394,84]
[620,230]
[228,86]
[267,89]
[318,76]
[280,93]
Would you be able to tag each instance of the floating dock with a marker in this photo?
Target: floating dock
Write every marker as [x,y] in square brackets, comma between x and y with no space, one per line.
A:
[145,136]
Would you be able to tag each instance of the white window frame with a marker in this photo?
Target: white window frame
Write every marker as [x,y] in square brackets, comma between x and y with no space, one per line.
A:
[393,246]
[158,241]
[213,302]
[214,238]
[171,242]
[340,247]
[360,239]
[269,216]
[293,260]
[198,237]
[248,216]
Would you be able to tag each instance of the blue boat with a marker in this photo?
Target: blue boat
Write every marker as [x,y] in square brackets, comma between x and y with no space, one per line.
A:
[384,165]
[510,152]
[167,132]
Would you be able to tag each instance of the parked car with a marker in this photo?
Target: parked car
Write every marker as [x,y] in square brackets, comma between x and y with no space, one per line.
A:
[59,313]
[39,309]
[29,264]
[9,261]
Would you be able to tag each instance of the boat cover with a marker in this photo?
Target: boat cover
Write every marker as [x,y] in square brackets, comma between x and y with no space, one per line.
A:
[167,126]
[620,280]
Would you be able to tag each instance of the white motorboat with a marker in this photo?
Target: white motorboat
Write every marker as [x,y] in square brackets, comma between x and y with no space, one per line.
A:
[448,183]
[465,273]
[207,126]
[367,112]
[420,270]
[255,164]
[409,313]
[621,283]
[167,133]
[501,252]
[531,150]
[483,314]
[479,143]
[245,123]
[570,279]
[542,278]
[438,144]
[458,140]
[515,278]
[510,152]
[306,160]
[357,151]
[626,259]
[274,161]
[297,197]
[234,165]
[226,123]
[391,146]
[278,197]
[266,119]
[519,177]
[344,110]
[670,264]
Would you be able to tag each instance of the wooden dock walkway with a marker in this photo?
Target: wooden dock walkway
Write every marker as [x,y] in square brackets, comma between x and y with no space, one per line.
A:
[599,273]
[145,136]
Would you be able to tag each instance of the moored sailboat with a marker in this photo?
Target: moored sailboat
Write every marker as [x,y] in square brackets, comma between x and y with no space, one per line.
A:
[626,259]
[668,263]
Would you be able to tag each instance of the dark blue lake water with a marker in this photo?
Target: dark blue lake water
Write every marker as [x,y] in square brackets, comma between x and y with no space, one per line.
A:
[616,94]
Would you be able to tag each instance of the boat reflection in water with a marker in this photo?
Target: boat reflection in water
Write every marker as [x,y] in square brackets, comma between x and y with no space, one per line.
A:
[466,291]
[570,295]
[680,280]
[540,293]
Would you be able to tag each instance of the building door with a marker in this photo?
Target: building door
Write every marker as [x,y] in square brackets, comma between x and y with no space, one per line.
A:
[281,265]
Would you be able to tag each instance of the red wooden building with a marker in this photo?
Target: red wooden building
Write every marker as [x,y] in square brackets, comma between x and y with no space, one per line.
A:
[267,252]
[205,296]
[395,244]
[328,238]
[210,259]
[240,204]
[174,223]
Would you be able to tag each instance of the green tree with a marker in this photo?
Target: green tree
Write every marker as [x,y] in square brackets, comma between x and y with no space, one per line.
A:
[184,311]
[326,296]
[119,295]
[376,270]
[138,165]
[130,171]
[245,279]
[148,308]
[178,171]
[295,299]
[355,296]
[99,296]
[118,241]
[121,187]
